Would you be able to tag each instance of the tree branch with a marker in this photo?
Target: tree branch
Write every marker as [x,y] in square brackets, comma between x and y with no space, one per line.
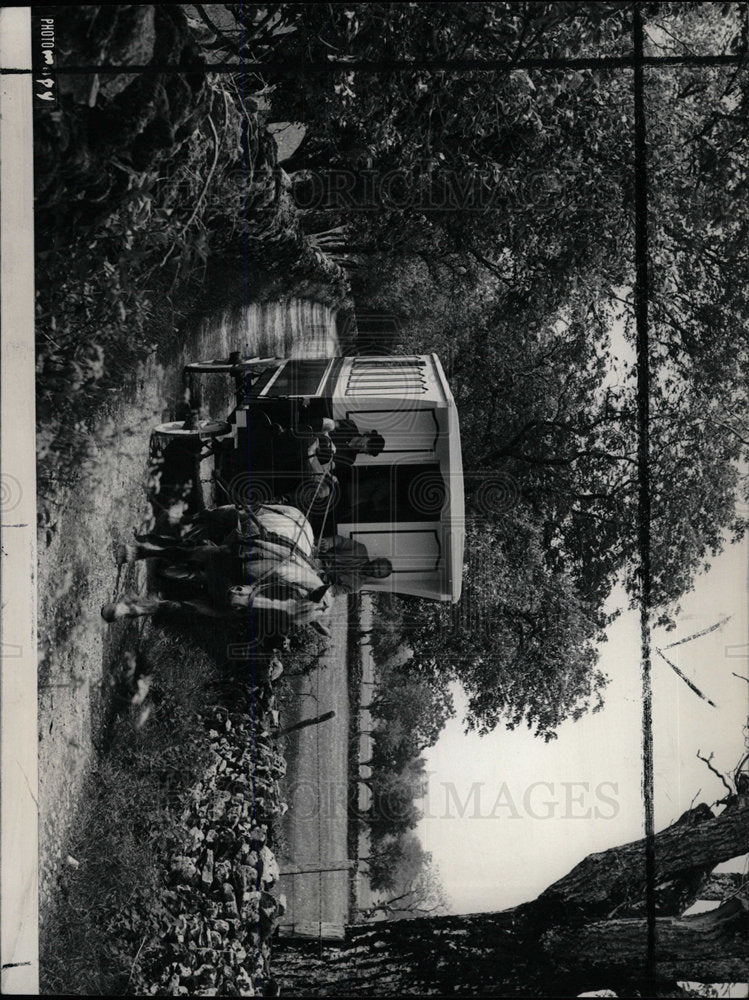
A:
[715,771]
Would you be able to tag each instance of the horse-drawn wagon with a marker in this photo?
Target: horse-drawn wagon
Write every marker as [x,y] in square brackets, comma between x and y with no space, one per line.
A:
[404,503]
[366,449]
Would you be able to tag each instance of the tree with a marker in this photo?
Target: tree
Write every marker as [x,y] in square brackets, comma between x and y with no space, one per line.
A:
[393,859]
[522,641]
[414,885]
[393,747]
[384,856]
[548,414]
[511,194]
[392,810]
[409,711]
[572,938]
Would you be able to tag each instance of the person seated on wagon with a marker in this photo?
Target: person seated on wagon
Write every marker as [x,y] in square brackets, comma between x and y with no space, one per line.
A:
[301,450]
[346,562]
[347,442]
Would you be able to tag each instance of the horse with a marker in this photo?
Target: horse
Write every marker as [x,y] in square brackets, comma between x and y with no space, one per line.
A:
[261,568]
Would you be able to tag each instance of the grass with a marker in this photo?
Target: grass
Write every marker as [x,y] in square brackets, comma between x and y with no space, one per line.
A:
[112,898]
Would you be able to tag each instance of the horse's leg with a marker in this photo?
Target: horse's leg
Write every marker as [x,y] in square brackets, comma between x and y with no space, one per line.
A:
[135,605]
[271,615]
[145,547]
[172,553]
[132,606]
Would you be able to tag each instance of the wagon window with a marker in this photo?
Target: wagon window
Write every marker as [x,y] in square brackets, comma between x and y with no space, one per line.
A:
[300,377]
[393,493]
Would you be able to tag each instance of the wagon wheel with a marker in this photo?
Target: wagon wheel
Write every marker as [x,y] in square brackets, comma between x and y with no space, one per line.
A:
[225,365]
[206,429]
[213,365]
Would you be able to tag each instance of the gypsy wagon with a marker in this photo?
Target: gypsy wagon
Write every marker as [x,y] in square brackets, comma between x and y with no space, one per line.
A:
[405,503]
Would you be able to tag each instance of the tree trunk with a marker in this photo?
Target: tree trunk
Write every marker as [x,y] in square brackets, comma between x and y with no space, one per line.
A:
[314,721]
[710,947]
[557,944]
[411,957]
[488,955]
[692,846]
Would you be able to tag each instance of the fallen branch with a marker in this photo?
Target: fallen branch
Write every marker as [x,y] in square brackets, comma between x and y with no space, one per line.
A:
[716,772]
[698,635]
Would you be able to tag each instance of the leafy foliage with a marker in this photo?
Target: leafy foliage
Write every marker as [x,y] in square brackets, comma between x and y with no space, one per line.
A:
[393,810]
[113,906]
[157,196]
[409,712]
[507,246]
[407,877]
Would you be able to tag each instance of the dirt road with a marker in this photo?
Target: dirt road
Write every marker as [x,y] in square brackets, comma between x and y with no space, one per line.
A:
[79,656]
[316,788]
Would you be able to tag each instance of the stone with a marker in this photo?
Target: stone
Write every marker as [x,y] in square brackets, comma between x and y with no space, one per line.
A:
[244,984]
[196,837]
[268,915]
[206,975]
[207,874]
[231,909]
[183,870]
[222,871]
[257,836]
[247,877]
[269,870]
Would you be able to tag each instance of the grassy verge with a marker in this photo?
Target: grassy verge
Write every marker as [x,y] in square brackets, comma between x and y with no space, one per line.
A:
[112,896]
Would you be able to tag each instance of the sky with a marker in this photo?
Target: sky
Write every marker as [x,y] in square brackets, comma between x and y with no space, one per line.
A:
[539,808]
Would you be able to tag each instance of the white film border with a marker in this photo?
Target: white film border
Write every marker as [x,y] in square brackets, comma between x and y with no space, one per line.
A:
[19,947]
